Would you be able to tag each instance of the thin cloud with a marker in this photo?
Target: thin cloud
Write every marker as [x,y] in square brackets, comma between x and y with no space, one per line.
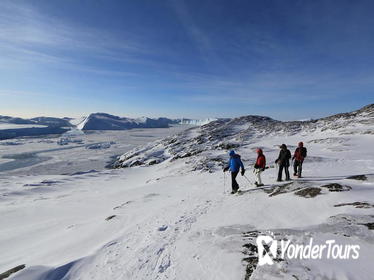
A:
[27,36]
[197,34]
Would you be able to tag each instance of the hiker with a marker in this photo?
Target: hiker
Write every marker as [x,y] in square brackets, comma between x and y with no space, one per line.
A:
[259,167]
[298,157]
[234,165]
[283,161]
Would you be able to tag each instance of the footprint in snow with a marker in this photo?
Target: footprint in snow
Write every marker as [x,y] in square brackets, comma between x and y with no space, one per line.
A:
[151,195]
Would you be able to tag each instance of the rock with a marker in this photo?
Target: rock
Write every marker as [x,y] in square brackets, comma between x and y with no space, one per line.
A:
[163,228]
[9,272]
[136,163]
[369,225]
[110,217]
[308,192]
[358,177]
[285,188]
[153,162]
[227,146]
[334,187]
[356,204]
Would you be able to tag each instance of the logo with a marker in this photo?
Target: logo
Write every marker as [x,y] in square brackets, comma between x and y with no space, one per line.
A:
[266,253]
[267,247]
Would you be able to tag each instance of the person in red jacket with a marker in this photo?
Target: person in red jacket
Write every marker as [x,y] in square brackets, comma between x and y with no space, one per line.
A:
[259,167]
[298,157]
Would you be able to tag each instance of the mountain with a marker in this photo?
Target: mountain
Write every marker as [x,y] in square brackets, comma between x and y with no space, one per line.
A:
[51,122]
[11,127]
[225,134]
[12,120]
[95,121]
[103,121]
[39,121]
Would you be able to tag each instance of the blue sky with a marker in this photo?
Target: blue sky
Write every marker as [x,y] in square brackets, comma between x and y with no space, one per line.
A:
[286,59]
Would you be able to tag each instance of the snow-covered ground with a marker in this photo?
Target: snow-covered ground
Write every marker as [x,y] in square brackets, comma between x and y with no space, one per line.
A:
[175,218]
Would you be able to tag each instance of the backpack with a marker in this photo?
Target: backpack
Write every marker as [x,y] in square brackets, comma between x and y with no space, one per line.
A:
[303,152]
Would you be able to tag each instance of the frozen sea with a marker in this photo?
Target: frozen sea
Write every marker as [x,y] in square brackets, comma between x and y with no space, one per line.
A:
[74,152]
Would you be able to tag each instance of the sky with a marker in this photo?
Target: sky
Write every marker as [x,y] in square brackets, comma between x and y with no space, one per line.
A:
[287,59]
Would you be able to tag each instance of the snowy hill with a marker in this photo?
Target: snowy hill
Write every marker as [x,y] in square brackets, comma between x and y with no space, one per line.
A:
[227,134]
[171,216]
[103,121]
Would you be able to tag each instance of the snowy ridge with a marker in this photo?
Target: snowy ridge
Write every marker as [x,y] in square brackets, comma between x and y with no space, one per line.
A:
[38,121]
[227,134]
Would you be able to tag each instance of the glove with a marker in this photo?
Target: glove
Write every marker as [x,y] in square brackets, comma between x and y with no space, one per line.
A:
[243,171]
[225,169]
[276,161]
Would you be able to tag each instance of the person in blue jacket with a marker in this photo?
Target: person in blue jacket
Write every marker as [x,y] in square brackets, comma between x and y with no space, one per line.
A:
[234,165]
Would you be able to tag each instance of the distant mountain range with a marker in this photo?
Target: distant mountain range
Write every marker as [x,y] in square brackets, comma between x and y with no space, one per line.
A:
[40,121]
[103,121]
[11,127]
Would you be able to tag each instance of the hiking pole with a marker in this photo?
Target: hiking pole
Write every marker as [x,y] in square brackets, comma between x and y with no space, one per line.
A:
[247,179]
[224,182]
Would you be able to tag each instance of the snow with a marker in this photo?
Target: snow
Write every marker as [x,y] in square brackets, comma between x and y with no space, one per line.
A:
[18,126]
[103,121]
[79,122]
[197,122]
[172,221]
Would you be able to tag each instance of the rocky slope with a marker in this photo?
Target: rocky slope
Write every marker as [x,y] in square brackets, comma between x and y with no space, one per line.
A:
[225,134]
